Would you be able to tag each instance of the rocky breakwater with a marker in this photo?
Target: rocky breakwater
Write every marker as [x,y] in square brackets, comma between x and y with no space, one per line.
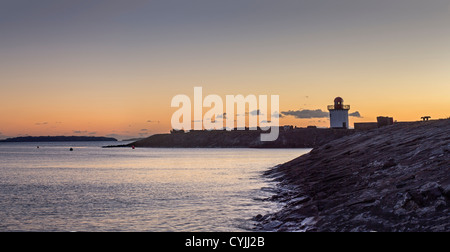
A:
[393,179]
[295,138]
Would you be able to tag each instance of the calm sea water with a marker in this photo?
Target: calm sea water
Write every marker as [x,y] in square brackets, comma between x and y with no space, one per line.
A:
[95,189]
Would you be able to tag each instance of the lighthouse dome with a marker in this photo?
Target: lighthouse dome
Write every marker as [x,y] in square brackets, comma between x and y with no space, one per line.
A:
[338,103]
[338,100]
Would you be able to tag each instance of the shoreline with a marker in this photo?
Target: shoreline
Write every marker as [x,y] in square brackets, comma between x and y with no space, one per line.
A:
[391,179]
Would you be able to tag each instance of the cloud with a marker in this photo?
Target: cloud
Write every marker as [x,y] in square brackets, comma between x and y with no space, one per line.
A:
[255,112]
[224,116]
[79,131]
[276,114]
[306,113]
[355,114]
[259,113]
[318,113]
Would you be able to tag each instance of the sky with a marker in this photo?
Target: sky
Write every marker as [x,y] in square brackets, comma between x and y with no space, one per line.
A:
[111,68]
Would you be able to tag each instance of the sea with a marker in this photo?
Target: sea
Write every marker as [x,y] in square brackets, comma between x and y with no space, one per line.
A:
[45,187]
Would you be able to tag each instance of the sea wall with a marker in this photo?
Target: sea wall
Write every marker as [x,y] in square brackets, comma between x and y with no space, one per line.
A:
[292,138]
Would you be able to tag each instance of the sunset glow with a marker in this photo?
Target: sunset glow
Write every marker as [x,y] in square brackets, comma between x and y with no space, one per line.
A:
[111,68]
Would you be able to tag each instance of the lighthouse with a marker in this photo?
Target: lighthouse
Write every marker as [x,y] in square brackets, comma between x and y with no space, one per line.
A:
[339,114]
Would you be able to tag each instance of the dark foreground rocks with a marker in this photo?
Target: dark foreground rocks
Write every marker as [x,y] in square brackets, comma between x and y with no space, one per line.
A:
[393,179]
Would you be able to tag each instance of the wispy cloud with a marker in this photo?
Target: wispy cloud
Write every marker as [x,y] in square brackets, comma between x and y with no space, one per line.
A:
[355,114]
[317,113]
[224,116]
[306,113]
[79,131]
[276,114]
[255,112]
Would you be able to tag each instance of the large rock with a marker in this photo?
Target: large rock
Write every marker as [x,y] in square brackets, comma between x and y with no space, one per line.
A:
[395,178]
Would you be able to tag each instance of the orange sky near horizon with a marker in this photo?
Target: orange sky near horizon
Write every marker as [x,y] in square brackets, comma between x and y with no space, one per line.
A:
[112,68]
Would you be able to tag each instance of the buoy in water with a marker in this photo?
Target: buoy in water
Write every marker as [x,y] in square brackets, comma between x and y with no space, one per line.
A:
[71,149]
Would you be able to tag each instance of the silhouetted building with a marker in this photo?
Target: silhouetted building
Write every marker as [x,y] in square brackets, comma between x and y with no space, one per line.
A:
[381,122]
[384,121]
[287,127]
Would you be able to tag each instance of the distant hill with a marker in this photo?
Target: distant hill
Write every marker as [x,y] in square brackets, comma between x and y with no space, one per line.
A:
[58,139]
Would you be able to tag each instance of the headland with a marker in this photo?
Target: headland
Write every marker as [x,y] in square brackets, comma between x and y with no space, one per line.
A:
[288,138]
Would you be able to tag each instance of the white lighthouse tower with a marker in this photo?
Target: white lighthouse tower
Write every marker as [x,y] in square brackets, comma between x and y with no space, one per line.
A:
[339,114]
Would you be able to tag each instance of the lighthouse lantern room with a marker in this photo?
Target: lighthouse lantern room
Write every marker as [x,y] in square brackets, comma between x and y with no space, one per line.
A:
[339,114]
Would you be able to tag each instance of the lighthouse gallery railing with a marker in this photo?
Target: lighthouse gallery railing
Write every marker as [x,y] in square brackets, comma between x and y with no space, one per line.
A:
[344,107]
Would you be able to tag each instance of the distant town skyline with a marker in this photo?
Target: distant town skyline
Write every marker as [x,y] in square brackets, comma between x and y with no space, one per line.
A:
[111,68]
